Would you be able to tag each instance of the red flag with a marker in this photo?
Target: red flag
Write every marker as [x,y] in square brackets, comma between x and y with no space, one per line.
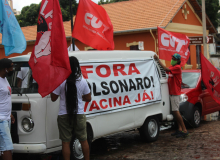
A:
[49,59]
[211,78]
[93,26]
[170,43]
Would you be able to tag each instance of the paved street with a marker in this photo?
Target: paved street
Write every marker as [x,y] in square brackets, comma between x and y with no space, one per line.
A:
[203,143]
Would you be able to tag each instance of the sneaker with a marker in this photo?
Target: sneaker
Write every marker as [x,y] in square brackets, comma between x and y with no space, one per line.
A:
[182,134]
[176,133]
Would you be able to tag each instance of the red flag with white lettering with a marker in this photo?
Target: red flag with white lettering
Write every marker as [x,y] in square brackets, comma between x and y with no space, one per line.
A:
[93,26]
[49,59]
[170,43]
[211,78]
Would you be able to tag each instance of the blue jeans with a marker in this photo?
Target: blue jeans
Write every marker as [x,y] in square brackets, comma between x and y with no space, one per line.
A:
[5,136]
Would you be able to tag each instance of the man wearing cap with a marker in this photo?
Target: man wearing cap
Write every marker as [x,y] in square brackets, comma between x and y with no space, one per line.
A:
[6,145]
[174,82]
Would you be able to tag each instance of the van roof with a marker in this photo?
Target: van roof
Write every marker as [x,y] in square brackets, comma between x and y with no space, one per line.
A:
[95,55]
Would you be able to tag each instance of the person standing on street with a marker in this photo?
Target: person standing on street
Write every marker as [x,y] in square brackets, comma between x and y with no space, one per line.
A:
[71,117]
[174,82]
[6,118]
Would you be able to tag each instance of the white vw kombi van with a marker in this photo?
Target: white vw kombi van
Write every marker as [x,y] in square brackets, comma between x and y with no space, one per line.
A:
[129,90]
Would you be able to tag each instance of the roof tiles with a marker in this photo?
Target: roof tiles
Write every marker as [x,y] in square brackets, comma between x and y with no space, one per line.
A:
[139,14]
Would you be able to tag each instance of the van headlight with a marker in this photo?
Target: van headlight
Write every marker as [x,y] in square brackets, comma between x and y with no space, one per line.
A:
[183,98]
[27,124]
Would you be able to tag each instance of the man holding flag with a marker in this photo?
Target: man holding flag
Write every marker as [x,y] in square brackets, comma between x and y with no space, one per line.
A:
[174,84]
[174,45]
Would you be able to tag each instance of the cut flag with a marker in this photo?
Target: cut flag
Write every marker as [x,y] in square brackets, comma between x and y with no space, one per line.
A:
[12,36]
[49,59]
[93,26]
[170,43]
[210,78]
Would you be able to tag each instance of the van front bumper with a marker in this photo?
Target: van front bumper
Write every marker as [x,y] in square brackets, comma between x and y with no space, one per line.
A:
[29,148]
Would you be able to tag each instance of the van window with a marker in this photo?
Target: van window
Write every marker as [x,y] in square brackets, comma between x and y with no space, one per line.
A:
[22,81]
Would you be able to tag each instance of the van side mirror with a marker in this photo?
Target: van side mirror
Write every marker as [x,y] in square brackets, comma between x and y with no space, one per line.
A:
[203,85]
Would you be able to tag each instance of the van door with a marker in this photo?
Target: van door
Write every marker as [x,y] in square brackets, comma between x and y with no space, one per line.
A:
[116,121]
[52,132]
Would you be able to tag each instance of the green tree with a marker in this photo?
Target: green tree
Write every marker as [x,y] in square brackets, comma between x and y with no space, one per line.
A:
[29,14]
[212,8]
[109,1]
[65,9]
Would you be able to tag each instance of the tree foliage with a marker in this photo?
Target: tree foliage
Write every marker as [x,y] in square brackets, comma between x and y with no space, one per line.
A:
[65,9]
[29,14]
[212,7]
[109,1]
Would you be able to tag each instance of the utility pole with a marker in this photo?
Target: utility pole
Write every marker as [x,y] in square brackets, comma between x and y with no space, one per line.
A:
[204,29]
[71,15]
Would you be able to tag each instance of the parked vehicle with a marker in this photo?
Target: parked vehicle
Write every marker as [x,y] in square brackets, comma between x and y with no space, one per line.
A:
[35,129]
[196,99]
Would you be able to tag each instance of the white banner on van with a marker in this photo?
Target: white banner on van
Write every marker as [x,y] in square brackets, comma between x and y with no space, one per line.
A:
[121,85]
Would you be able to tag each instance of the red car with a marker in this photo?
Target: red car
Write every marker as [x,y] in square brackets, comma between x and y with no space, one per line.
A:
[195,100]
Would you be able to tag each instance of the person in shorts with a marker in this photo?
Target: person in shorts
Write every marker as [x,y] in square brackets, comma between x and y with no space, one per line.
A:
[174,83]
[73,91]
[6,118]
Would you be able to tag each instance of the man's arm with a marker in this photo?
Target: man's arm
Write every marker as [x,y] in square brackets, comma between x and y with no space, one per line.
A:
[19,82]
[87,97]
[164,67]
[12,119]
[53,97]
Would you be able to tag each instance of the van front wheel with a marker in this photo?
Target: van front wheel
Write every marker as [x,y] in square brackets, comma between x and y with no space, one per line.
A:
[76,148]
[149,131]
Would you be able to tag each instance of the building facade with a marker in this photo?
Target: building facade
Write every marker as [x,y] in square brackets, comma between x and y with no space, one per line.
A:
[135,26]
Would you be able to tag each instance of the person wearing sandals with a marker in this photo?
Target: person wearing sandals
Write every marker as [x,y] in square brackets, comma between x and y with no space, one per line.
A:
[71,117]
[174,83]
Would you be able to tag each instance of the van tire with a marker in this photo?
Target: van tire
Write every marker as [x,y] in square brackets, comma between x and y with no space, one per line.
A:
[76,151]
[196,117]
[149,131]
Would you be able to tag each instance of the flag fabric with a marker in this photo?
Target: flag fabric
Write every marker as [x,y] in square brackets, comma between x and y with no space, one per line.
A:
[93,26]
[210,78]
[12,36]
[170,43]
[49,59]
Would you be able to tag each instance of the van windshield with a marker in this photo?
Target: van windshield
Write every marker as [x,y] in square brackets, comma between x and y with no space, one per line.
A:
[189,79]
[22,81]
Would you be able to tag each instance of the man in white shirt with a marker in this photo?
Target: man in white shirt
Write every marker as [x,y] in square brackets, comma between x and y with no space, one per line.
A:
[71,117]
[6,118]
[23,77]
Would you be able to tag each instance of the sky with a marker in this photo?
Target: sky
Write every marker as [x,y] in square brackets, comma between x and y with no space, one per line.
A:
[19,4]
